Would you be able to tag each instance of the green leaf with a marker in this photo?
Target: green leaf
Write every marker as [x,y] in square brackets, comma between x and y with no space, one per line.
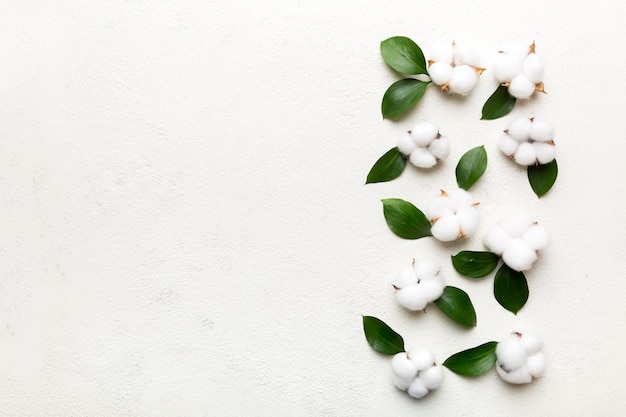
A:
[475,264]
[381,337]
[388,167]
[457,305]
[401,96]
[471,167]
[474,361]
[403,55]
[542,177]
[405,220]
[499,104]
[510,288]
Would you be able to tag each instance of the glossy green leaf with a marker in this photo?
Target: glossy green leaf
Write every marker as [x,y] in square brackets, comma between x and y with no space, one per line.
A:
[405,220]
[499,104]
[403,55]
[388,167]
[382,338]
[456,304]
[471,167]
[510,288]
[542,177]
[475,264]
[474,361]
[401,96]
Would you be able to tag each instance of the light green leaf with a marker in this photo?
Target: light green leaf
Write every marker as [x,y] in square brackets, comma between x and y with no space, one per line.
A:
[405,220]
[542,177]
[388,167]
[403,55]
[510,288]
[456,304]
[471,167]
[475,264]
[474,361]
[401,96]
[382,338]
[499,104]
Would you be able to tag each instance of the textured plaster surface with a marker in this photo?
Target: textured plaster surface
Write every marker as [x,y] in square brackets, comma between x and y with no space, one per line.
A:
[184,228]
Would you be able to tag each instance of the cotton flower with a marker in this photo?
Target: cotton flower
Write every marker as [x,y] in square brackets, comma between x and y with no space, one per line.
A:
[519,358]
[521,70]
[529,141]
[418,284]
[453,215]
[416,371]
[454,67]
[423,145]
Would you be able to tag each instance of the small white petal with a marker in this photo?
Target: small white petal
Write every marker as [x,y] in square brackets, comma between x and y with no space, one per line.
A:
[422,357]
[442,53]
[517,376]
[403,367]
[525,154]
[424,132]
[432,287]
[541,130]
[521,87]
[426,268]
[406,145]
[536,365]
[417,389]
[510,353]
[519,129]
[406,277]
[545,152]
[516,223]
[536,237]
[468,219]
[460,198]
[531,341]
[421,158]
[440,72]
[438,207]
[507,144]
[463,79]
[496,239]
[464,55]
[447,228]
[506,67]
[440,148]
[518,256]
[533,68]
[412,298]
[432,377]
[400,383]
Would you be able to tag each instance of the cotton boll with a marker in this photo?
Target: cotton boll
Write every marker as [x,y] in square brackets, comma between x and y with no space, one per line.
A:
[424,132]
[406,277]
[421,158]
[496,239]
[440,72]
[432,287]
[531,342]
[510,353]
[536,237]
[422,357]
[521,87]
[440,148]
[412,298]
[426,268]
[517,376]
[533,68]
[438,207]
[468,219]
[464,55]
[519,50]
[403,367]
[545,152]
[525,154]
[518,256]
[460,198]
[536,364]
[417,389]
[506,67]
[519,129]
[446,228]
[406,145]
[541,130]
[432,377]
[442,53]
[400,383]
[516,223]
[463,79]
[507,144]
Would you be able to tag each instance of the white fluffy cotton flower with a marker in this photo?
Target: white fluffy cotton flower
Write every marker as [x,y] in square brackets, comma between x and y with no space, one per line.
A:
[518,240]
[519,358]
[418,284]
[423,145]
[521,70]
[454,67]
[453,215]
[416,371]
[529,141]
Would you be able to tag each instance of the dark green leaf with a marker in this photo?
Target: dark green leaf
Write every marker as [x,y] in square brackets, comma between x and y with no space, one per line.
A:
[388,167]
[401,96]
[542,177]
[405,220]
[474,361]
[499,104]
[510,288]
[457,305]
[471,167]
[475,264]
[403,55]
[381,337]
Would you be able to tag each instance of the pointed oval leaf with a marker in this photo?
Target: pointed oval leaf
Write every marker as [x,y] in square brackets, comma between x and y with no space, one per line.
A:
[510,288]
[382,338]
[474,361]
[471,167]
[499,104]
[403,55]
[456,304]
[475,264]
[542,177]
[404,219]
[388,167]
[401,96]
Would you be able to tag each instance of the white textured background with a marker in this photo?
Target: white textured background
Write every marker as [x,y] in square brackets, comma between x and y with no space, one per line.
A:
[184,228]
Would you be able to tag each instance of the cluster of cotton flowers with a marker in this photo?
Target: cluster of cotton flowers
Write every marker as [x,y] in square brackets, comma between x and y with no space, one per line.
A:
[423,145]
[529,141]
[455,68]
[416,371]
[453,215]
[517,239]
[519,358]
[418,284]
[521,70]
